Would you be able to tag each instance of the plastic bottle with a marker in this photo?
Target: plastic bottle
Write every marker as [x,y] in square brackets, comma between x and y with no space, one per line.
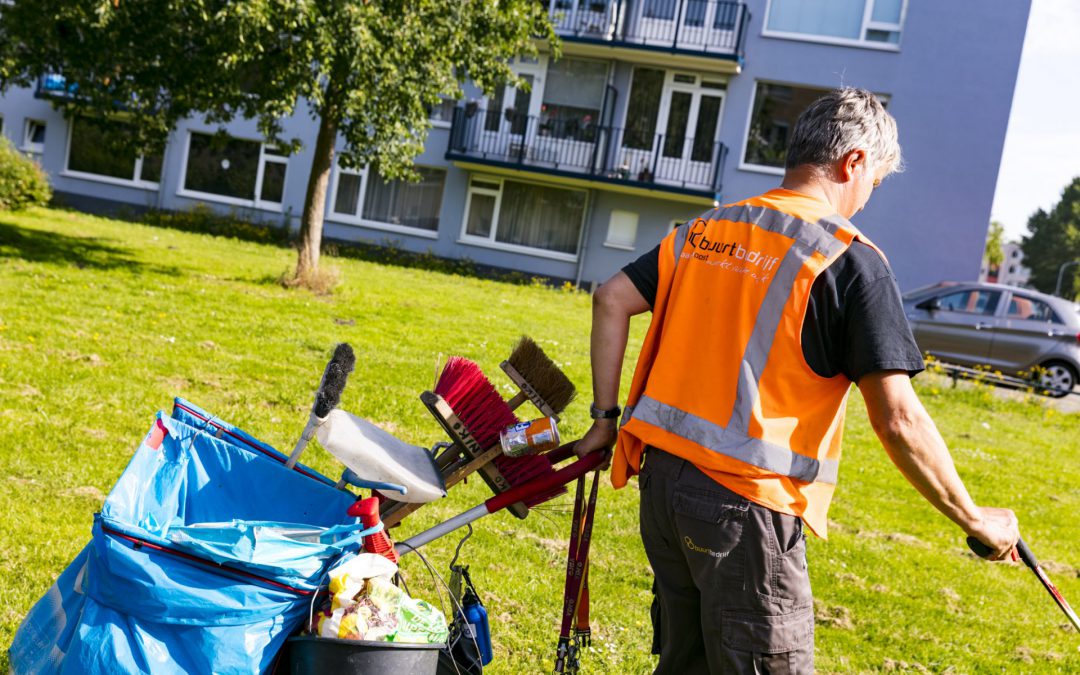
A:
[476,619]
[368,512]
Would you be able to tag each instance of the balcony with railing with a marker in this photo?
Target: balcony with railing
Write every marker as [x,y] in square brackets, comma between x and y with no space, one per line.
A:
[714,28]
[54,86]
[577,149]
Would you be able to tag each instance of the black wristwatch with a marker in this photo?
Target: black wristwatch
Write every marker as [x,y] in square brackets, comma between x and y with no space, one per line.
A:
[599,414]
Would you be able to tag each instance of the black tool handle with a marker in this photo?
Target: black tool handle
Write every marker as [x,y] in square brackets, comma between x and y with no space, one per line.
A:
[982,550]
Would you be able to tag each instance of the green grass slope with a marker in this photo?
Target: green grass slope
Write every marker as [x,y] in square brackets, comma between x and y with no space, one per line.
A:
[102,323]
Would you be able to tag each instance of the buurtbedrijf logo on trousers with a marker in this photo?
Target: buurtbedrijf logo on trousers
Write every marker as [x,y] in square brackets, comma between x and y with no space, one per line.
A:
[732,257]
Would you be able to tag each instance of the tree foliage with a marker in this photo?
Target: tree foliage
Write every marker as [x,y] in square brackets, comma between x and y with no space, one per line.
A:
[995,239]
[366,70]
[1053,239]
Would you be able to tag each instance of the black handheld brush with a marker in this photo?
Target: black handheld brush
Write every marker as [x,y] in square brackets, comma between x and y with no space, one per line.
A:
[327,397]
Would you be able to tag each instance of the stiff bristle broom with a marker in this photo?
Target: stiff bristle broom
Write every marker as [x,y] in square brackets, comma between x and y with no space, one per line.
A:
[485,413]
[539,378]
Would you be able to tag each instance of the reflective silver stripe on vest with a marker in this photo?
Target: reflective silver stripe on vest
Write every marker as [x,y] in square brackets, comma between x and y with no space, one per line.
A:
[730,443]
[819,236]
[734,440]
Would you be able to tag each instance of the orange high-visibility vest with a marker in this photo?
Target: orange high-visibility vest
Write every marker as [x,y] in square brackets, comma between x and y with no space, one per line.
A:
[721,380]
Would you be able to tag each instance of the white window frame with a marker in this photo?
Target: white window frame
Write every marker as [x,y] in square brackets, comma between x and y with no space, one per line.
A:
[867,24]
[490,242]
[761,168]
[135,182]
[619,245]
[255,202]
[442,124]
[28,145]
[358,219]
[267,155]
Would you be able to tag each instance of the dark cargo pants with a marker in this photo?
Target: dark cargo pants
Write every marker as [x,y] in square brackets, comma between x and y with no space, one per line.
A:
[731,576]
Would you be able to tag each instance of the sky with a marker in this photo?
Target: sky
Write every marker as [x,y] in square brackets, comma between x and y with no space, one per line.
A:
[1042,145]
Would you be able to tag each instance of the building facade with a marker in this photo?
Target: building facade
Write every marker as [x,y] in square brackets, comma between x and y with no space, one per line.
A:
[657,110]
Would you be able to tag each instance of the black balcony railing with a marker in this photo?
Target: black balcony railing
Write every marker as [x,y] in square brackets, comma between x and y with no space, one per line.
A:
[576,147]
[714,27]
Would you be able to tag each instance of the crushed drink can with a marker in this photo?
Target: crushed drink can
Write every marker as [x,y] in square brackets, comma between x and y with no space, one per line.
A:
[530,438]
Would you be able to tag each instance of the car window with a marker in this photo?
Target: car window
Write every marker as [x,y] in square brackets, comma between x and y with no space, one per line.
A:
[971,302]
[1030,309]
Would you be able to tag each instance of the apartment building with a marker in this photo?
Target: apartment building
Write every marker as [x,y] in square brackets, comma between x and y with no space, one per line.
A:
[657,110]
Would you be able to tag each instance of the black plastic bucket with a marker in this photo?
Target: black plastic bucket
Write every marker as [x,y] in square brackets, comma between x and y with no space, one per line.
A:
[309,655]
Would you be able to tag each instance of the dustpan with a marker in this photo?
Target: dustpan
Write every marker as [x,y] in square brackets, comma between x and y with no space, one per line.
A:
[378,456]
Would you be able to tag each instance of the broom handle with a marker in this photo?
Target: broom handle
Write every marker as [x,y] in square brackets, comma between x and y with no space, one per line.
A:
[526,490]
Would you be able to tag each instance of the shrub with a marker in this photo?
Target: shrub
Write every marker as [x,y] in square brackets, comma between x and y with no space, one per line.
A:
[204,220]
[22,181]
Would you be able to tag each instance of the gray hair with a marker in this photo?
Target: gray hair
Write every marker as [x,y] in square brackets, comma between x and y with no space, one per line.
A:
[841,121]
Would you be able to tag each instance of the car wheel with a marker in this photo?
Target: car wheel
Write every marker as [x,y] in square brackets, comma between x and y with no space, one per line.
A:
[1058,378]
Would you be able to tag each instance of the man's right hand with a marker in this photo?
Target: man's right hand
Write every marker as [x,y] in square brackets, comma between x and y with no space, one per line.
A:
[600,436]
[998,529]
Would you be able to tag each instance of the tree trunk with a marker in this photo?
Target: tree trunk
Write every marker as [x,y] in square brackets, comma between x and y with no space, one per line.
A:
[322,162]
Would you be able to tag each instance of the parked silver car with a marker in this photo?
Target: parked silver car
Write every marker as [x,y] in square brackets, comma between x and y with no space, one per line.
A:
[1011,329]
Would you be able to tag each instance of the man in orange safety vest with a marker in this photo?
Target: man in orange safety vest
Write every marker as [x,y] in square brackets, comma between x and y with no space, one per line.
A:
[764,312]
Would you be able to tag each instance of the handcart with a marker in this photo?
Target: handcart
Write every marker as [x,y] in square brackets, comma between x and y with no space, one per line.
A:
[211,547]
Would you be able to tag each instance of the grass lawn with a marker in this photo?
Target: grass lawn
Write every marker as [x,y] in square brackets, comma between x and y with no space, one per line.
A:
[102,323]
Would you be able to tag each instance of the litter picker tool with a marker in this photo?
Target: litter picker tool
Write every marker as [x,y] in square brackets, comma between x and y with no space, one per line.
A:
[982,550]
[574,635]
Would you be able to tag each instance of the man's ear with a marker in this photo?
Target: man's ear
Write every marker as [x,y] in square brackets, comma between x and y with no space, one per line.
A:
[851,161]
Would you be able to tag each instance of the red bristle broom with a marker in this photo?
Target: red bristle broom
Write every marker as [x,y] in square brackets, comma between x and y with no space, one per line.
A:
[484,412]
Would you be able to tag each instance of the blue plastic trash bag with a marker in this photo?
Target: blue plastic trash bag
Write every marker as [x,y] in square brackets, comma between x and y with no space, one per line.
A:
[204,558]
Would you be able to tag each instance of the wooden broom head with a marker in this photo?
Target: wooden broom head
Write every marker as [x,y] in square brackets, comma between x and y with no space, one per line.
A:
[541,372]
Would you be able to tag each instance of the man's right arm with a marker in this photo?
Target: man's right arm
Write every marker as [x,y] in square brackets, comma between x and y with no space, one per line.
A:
[614,303]
[916,448]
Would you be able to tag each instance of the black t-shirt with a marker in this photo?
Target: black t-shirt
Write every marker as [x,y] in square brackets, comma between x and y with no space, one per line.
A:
[855,322]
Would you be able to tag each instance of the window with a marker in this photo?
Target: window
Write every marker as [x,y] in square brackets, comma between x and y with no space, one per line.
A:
[34,137]
[1030,309]
[622,230]
[659,9]
[509,214]
[573,96]
[844,21]
[643,108]
[94,149]
[971,302]
[235,169]
[442,113]
[776,107]
[364,196]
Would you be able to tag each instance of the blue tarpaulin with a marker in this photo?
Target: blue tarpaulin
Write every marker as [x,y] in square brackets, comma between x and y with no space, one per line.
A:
[204,558]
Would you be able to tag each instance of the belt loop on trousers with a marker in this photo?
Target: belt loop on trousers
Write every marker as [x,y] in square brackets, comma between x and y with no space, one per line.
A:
[680,465]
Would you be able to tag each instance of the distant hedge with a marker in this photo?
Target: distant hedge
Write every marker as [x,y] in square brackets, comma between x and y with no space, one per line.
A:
[22,181]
